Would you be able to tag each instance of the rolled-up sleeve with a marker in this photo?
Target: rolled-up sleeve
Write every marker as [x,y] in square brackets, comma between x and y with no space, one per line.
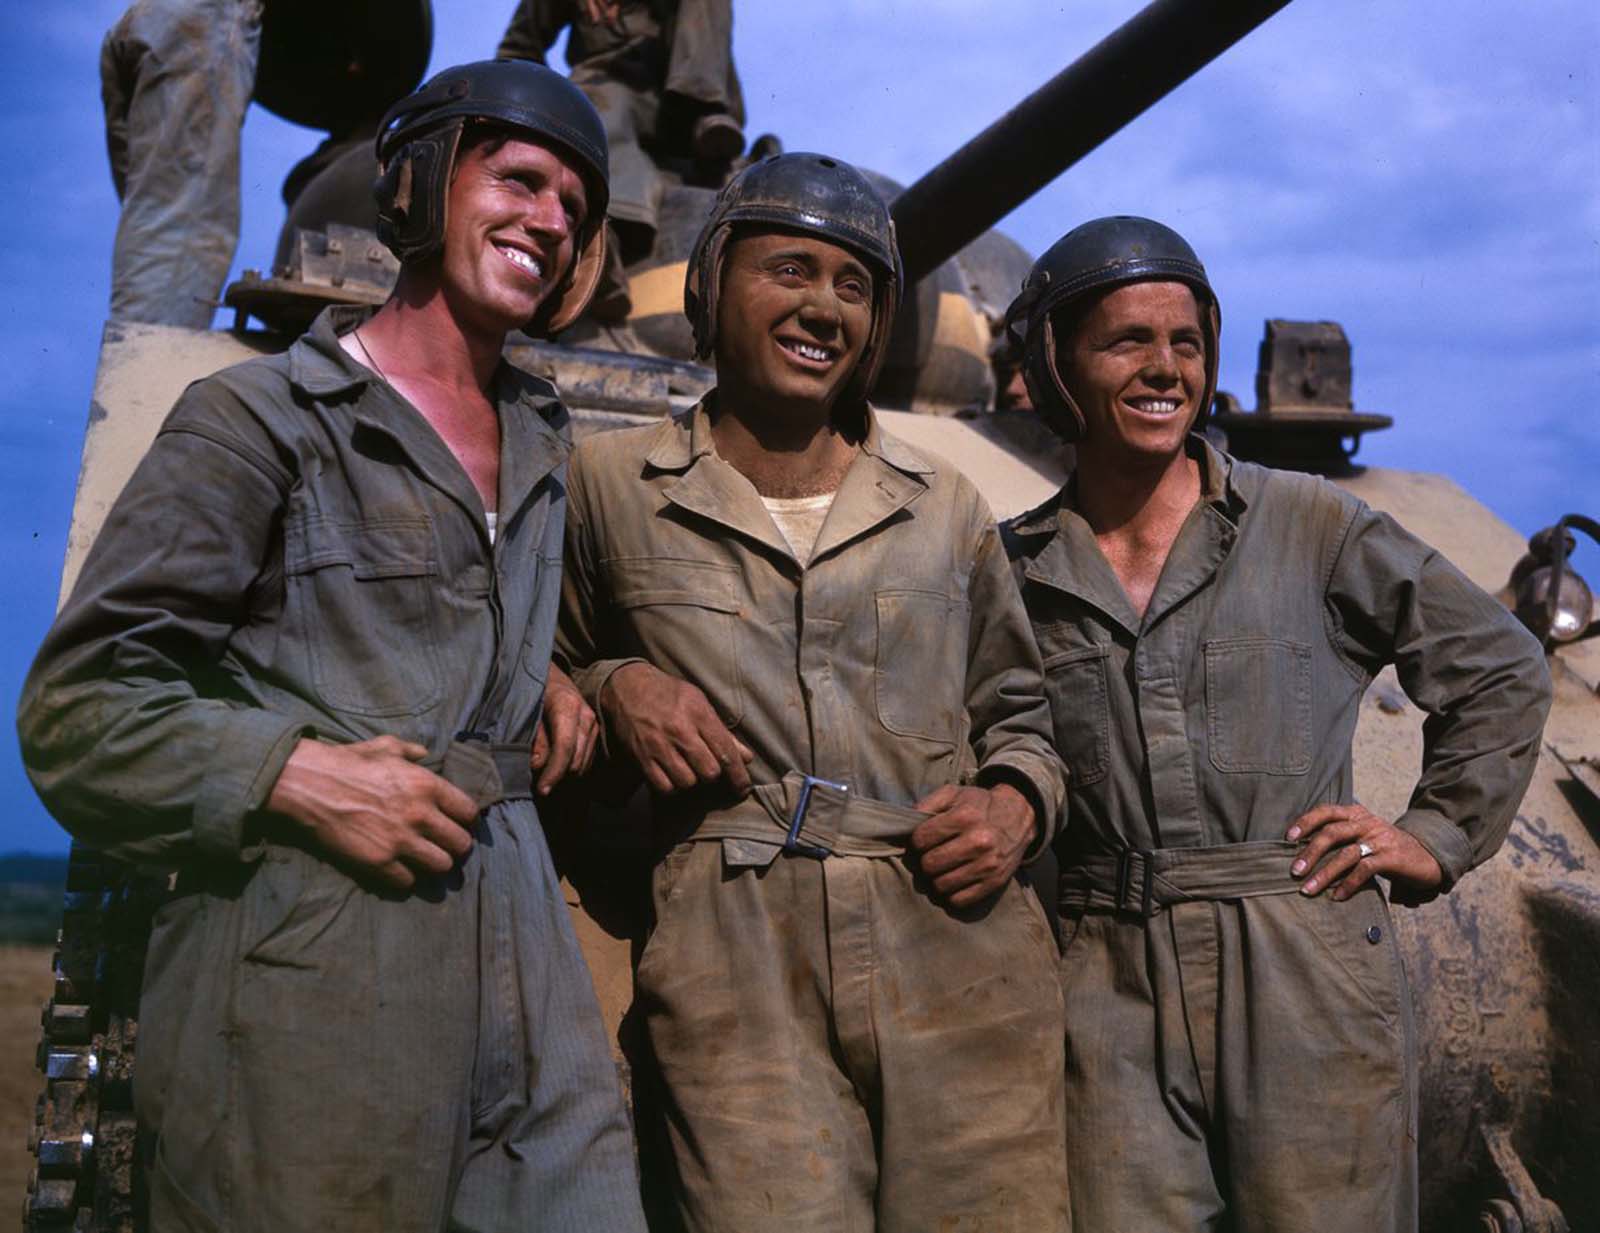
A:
[1468,663]
[128,729]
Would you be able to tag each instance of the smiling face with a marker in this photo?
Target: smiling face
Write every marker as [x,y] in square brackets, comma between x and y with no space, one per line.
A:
[793,317]
[515,211]
[1135,363]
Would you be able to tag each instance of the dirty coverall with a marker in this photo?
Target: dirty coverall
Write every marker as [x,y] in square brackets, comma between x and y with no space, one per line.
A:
[298,555]
[176,78]
[655,49]
[839,1052]
[1233,1046]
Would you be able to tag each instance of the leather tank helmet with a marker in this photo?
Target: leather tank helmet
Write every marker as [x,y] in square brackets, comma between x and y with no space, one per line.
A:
[420,137]
[1089,261]
[815,195]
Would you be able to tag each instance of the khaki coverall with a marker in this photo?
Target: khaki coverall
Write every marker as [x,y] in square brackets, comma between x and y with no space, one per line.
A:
[1240,1055]
[299,554]
[839,1051]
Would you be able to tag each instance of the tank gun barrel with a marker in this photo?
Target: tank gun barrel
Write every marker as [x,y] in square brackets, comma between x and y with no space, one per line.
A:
[1158,49]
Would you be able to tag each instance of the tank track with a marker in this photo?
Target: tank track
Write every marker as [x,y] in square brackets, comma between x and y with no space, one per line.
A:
[84,1140]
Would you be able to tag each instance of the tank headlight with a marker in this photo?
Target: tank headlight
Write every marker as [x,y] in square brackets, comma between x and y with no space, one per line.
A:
[1548,596]
[1573,603]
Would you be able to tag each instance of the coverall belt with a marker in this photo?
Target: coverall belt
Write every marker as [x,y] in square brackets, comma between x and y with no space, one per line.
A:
[489,772]
[1147,881]
[835,820]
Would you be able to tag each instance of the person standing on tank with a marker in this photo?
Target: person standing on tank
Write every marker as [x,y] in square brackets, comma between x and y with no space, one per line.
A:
[176,79]
[1239,1037]
[307,667]
[661,74]
[802,633]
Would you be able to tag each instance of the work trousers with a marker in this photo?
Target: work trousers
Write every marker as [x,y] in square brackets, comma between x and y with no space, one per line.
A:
[840,1053]
[629,114]
[176,78]
[628,87]
[1240,1064]
[315,1056]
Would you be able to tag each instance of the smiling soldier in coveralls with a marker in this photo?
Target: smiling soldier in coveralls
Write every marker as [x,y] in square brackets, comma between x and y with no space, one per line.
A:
[1239,1043]
[305,667]
[803,633]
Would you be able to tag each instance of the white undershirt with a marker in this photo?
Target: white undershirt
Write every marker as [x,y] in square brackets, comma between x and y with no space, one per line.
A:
[800,520]
[493,519]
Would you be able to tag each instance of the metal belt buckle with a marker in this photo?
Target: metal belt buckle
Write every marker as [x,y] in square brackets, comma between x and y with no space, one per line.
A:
[791,841]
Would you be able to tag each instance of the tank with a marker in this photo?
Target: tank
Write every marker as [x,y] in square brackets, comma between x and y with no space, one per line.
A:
[1505,971]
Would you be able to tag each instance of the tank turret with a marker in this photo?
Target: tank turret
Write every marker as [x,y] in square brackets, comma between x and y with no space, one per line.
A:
[960,274]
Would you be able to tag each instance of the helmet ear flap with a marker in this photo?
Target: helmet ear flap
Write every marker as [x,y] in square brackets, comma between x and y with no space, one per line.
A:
[1213,315]
[701,285]
[567,303]
[392,191]
[412,193]
[1051,398]
[884,307]
[885,304]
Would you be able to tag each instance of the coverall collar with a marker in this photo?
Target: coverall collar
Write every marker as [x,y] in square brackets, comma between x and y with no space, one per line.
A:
[1073,563]
[886,476]
[530,449]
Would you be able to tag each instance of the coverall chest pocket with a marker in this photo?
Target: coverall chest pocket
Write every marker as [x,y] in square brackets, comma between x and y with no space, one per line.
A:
[1075,686]
[684,617]
[362,594]
[1258,705]
[920,665]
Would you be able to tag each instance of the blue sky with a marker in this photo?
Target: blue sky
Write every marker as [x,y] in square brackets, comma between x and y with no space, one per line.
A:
[1426,173]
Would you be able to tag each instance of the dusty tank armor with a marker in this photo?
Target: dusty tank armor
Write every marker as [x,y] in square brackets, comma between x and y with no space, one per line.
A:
[1504,969]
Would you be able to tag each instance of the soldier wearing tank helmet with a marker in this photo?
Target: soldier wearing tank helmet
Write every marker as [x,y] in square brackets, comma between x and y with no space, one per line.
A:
[801,632]
[305,667]
[1239,1042]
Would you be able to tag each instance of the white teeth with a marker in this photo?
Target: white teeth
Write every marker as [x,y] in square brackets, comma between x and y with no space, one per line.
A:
[821,354]
[519,258]
[1157,406]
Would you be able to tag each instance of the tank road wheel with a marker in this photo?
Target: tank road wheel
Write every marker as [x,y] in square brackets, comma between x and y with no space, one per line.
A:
[84,1138]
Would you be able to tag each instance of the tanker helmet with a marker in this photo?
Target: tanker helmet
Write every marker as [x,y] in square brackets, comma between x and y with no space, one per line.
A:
[1090,260]
[419,139]
[818,196]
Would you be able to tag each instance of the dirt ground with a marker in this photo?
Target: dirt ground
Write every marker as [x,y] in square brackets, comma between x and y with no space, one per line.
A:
[24,988]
